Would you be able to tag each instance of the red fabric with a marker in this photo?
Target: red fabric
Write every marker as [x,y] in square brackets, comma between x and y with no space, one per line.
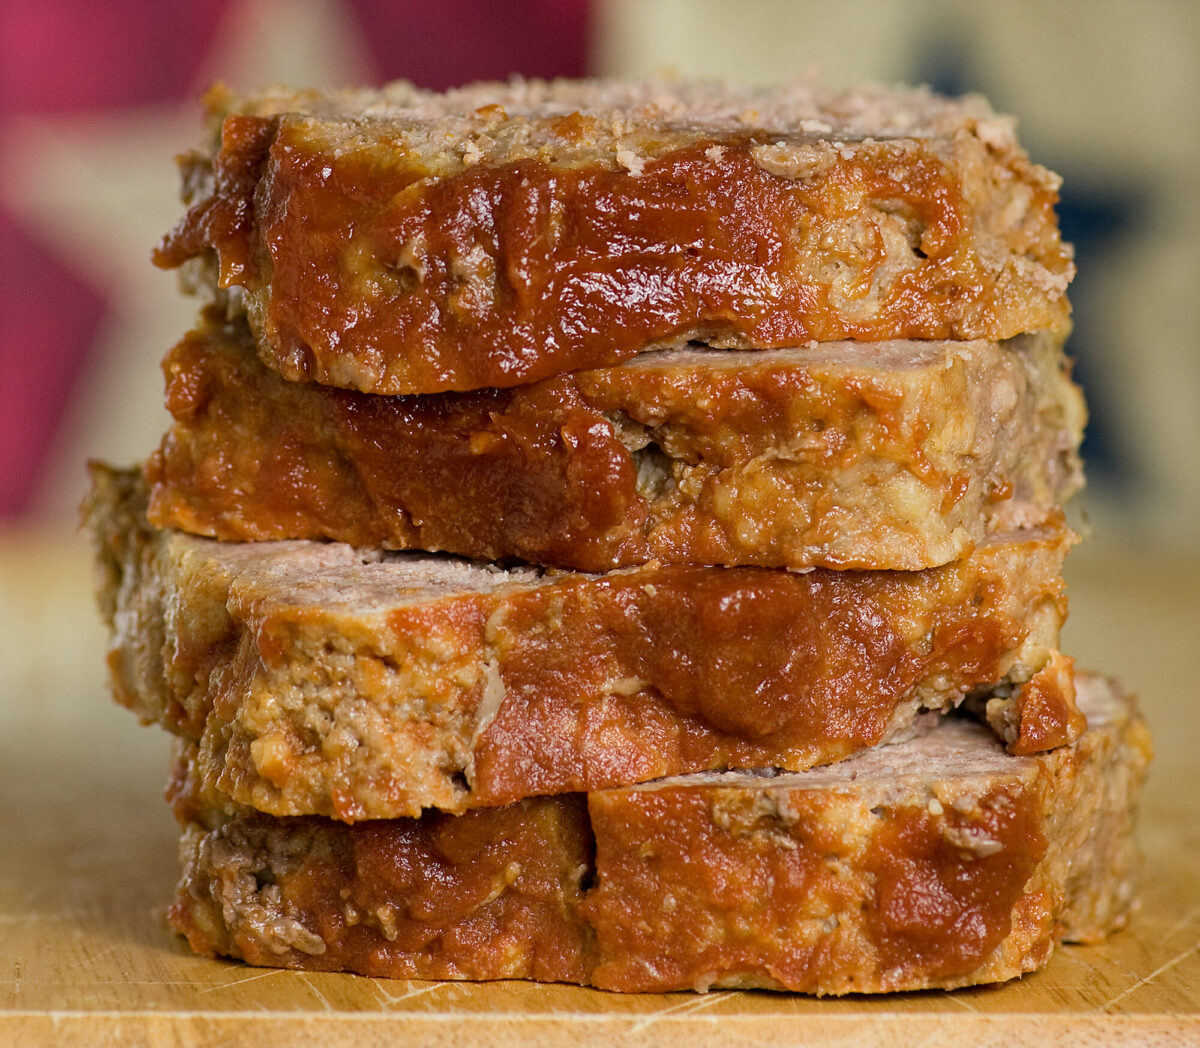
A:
[68,56]
[440,45]
[47,320]
[77,57]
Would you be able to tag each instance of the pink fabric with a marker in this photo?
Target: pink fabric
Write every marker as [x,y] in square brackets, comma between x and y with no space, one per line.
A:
[47,319]
[65,56]
[439,45]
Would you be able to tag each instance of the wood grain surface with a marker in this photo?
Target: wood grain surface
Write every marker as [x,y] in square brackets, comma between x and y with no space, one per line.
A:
[87,865]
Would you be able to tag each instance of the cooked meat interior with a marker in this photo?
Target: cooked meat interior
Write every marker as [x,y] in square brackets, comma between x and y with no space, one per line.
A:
[322,679]
[403,242]
[898,455]
[939,862]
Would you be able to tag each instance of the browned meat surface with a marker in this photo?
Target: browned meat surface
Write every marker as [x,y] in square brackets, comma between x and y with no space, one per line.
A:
[402,242]
[938,862]
[321,679]
[897,455]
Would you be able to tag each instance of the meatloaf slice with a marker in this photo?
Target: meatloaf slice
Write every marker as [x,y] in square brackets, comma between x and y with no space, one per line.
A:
[321,679]
[398,241]
[937,862]
[898,455]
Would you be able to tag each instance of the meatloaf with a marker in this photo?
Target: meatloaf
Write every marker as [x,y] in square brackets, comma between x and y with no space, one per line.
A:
[897,455]
[322,679]
[939,862]
[398,241]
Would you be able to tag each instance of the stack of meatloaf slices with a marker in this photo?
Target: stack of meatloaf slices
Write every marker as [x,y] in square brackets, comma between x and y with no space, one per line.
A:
[612,534]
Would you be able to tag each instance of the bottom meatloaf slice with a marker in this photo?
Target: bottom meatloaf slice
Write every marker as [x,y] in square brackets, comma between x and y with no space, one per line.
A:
[323,680]
[939,862]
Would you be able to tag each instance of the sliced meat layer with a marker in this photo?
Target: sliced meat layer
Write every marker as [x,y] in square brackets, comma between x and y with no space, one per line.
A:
[321,679]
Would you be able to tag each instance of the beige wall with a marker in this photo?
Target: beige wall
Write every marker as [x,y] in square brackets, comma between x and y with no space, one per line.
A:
[1108,92]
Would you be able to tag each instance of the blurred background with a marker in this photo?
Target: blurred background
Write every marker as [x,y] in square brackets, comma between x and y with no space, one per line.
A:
[95,99]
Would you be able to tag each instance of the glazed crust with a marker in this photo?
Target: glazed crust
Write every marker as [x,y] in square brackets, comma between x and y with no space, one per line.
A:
[401,242]
[319,679]
[485,895]
[903,455]
[939,862]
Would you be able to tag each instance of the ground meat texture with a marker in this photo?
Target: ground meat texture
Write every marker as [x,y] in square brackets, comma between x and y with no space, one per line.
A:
[939,862]
[401,242]
[898,455]
[321,679]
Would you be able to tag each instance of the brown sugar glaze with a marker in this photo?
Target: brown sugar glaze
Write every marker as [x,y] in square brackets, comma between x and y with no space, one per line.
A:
[943,862]
[713,881]
[488,894]
[939,907]
[363,271]
[737,668]
[1047,715]
[767,463]
[491,473]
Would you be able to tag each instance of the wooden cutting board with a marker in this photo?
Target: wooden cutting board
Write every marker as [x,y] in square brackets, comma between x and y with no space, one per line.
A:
[87,864]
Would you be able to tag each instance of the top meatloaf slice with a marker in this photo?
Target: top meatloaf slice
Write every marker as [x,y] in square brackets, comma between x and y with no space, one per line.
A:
[397,241]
